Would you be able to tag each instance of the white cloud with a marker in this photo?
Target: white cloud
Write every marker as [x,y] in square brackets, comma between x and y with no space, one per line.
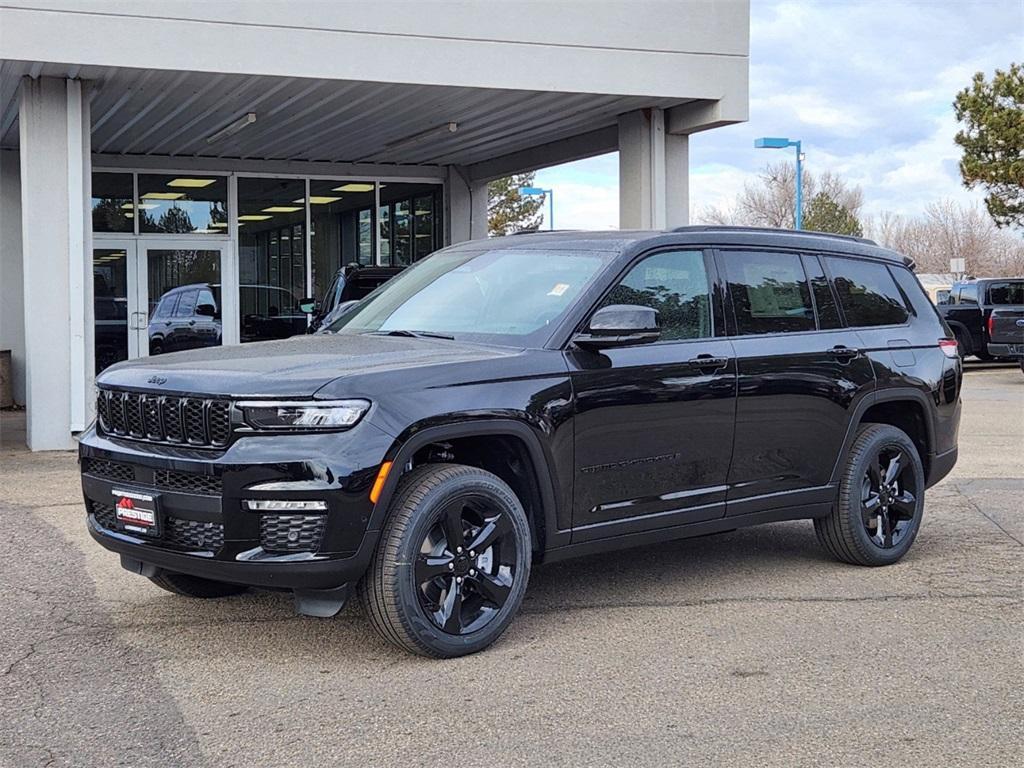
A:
[867,86]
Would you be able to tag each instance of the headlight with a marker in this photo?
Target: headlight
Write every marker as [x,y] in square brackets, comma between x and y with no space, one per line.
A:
[323,414]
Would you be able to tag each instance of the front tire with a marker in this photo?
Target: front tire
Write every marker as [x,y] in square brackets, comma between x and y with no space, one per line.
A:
[193,586]
[452,563]
[878,508]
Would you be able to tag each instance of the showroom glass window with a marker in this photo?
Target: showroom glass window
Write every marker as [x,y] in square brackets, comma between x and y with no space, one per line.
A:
[113,202]
[769,292]
[177,204]
[867,292]
[271,257]
[409,222]
[675,283]
[341,228]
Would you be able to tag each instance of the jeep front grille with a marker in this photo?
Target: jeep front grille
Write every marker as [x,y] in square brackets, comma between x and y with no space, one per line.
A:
[193,421]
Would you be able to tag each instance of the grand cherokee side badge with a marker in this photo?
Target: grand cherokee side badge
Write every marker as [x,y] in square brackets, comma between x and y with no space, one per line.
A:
[156,380]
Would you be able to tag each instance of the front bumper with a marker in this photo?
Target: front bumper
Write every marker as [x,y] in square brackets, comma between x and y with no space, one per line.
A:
[205,529]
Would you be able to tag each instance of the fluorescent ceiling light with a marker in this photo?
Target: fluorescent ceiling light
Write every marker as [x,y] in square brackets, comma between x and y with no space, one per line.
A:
[354,188]
[232,128]
[219,224]
[438,130]
[129,215]
[140,206]
[163,196]
[191,183]
[318,199]
[282,209]
[254,217]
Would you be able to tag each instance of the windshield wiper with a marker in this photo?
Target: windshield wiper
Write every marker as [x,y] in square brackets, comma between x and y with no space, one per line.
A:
[415,334]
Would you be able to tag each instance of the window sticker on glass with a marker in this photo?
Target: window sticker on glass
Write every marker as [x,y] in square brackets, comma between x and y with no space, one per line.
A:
[559,289]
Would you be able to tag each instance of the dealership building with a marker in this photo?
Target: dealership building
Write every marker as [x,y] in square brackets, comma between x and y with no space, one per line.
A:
[216,161]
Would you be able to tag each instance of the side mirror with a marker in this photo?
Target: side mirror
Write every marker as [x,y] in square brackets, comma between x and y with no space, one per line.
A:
[307,305]
[206,310]
[620,325]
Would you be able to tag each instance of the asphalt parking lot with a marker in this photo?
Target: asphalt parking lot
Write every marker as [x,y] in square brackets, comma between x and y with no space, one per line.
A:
[750,648]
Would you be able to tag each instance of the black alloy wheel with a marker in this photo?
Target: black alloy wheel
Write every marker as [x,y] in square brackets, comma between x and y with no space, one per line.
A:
[452,563]
[466,565]
[889,497]
[880,500]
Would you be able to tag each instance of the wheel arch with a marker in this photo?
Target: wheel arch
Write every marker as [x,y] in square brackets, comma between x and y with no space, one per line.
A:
[961,331]
[480,443]
[902,407]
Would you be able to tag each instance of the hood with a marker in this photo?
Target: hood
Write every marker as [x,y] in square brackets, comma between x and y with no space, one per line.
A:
[295,367]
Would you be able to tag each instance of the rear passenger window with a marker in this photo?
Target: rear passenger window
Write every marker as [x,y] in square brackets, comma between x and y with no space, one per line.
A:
[769,292]
[824,301]
[676,284]
[867,292]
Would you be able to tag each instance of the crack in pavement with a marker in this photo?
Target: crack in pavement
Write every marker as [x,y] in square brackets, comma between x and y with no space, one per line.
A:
[974,505]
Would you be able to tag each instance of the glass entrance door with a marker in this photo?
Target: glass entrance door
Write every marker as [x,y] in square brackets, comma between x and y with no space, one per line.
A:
[181,301]
[115,301]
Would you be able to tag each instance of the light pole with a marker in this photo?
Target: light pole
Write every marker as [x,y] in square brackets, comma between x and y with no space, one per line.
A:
[770,143]
[531,191]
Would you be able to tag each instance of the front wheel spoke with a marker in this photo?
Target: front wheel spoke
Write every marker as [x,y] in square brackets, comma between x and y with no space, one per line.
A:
[871,504]
[492,588]
[894,468]
[429,567]
[906,505]
[887,539]
[451,524]
[449,617]
[493,529]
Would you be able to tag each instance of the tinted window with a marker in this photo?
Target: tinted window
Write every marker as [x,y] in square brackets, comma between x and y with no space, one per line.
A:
[166,306]
[187,303]
[112,202]
[769,292]
[1006,292]
[968,294]
[674,283]
[867,292]
[206,297]
[824,301]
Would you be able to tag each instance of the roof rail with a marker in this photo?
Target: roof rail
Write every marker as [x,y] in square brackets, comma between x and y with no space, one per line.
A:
[801,232]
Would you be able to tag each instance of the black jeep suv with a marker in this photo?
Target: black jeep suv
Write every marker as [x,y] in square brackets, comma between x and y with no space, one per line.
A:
[529,399]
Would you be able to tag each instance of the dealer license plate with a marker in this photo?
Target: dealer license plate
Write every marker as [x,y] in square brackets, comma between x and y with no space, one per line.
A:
[137,512]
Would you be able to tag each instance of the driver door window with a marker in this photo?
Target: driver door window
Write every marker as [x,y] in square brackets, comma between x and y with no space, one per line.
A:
[675,283]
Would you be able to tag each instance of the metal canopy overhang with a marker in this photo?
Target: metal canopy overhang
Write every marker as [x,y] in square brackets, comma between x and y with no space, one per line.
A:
[149,112]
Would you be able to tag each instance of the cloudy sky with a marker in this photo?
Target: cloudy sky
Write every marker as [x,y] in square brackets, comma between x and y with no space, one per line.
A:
[867,86]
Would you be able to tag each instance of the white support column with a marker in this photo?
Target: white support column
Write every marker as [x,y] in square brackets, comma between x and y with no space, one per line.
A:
[467,207]
[653,172]
[677,180]
[55,156]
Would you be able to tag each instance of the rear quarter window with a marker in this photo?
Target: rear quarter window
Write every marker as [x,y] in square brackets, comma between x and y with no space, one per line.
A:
[867,292]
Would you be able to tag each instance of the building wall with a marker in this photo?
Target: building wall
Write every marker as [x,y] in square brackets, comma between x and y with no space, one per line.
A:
[644,47]
[12,307]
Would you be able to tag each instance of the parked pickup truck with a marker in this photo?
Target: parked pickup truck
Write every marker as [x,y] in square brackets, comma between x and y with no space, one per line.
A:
[968,310]
[1006,334]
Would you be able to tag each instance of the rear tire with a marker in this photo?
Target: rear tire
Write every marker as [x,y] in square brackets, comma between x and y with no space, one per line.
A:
[878,508]
[193,586]
[452,563]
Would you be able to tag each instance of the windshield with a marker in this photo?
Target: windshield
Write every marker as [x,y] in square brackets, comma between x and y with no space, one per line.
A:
[497,296]
[1008,292]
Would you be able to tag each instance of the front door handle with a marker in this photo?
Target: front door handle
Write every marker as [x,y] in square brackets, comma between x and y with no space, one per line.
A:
[842,352]
[708,362]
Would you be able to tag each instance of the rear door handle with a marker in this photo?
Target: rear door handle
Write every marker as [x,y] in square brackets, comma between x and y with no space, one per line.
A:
[843,352]
[707,361]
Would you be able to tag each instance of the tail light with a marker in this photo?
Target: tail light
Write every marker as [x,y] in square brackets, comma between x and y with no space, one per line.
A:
[990,324]
[949,347]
